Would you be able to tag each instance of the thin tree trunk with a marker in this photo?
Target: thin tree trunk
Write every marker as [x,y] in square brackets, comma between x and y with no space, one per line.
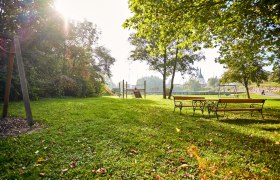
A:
[246,87]
[164,85]
[164,75]
[173,75]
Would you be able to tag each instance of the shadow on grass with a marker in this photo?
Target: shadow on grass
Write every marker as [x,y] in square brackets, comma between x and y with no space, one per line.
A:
[121,131]
[273,99]
[249,121]
[243,148]
[272,129]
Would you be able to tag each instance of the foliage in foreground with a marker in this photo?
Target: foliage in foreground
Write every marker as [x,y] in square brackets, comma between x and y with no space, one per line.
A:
[60,58]
[141,139]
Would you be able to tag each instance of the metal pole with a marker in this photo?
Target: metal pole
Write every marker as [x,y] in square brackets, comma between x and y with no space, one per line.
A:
[23,83]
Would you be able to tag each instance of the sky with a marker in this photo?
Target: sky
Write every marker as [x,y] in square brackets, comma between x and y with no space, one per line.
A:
[109,15]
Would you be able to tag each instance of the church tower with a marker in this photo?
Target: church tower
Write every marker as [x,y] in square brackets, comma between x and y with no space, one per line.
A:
[200,77]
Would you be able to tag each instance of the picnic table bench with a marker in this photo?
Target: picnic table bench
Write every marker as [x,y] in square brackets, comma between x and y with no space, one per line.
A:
[222,105]
[188,101]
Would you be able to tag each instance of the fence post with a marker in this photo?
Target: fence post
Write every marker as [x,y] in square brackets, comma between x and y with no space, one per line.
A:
[123,88]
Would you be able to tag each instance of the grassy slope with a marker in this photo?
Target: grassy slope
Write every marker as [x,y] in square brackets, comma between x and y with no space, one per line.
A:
[140,139]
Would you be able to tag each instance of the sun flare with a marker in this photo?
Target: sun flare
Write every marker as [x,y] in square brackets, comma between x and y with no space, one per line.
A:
[69,9]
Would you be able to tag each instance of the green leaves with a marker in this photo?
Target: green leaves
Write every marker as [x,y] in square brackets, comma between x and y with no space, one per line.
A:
[61,58]
[219,22]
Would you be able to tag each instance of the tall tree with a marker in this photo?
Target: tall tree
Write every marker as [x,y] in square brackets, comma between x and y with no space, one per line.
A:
[203,19]
[275,75]
[213,23]
[174,58]
[244,64]
[213,82]
[104,60]
[146,51]
[182,61]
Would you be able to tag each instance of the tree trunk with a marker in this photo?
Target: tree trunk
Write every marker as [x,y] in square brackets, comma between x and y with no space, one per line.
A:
[164,85]
[246,87]
[173,75]
[164,75]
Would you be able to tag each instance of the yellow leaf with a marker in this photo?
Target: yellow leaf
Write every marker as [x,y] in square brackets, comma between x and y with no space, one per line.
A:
[193,151]
[178,130]
[40,160]
[265,170]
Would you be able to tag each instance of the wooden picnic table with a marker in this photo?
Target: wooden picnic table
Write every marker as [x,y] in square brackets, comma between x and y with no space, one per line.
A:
[187,101]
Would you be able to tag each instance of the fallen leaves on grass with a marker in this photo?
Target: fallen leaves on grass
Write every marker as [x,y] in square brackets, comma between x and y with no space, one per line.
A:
[193,151]
[133,152]
[206,169]
[40,160]
[64,171]
[189,176]
[182,160]
[100,171]
[72,164]
[158,177]
[183,166]
[265,170]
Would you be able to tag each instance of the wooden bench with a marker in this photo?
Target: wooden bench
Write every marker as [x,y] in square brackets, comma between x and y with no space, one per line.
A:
[222,105]
[187,101]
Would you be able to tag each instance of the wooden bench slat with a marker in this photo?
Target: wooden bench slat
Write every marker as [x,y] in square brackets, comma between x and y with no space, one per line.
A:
[187,97]
[241,100]
[238,109]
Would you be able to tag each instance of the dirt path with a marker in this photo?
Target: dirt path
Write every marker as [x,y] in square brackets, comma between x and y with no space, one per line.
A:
[272,95]
[12,126]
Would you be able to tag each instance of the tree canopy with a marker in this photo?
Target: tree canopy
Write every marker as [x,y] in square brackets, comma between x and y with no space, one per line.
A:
[227,24]
[61,58]
[172,60]
[208,21]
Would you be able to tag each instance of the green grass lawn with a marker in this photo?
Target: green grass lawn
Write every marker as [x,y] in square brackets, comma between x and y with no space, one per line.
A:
[112,138]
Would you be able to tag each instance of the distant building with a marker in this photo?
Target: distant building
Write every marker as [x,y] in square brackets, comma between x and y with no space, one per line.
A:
[200,77]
